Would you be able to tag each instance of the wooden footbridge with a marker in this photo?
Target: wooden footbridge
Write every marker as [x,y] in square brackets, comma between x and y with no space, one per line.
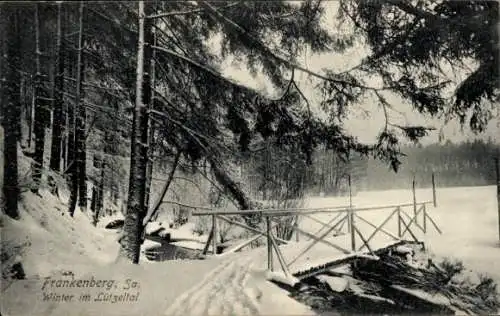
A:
[347,233]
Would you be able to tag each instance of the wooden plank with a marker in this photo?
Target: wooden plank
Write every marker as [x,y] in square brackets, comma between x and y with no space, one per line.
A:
[323,241]
[328,224]
[413,220]
[269,245]
[350,190]
[425,220]
[316,240]
[296,226]
[365,242]
[414,200]
[327,266]
[277,211]
[230,221]
[385,207]
[243,244]
[209,239]
[399,221]
[344,259]
[409,217]
[408,229]
[434,197]
[280,256]
[302,211]
[248,241]
[351,230]
[214,235]
[381,229]
[435,225]
[321,222]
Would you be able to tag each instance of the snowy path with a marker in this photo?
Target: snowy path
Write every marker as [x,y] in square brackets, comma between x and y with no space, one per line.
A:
[223,292]
[238,286]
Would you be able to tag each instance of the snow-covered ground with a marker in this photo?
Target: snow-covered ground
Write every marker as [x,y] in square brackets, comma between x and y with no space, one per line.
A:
[231,284]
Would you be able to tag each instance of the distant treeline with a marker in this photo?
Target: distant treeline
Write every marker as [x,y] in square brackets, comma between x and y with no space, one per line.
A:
[272,173]
[468,163]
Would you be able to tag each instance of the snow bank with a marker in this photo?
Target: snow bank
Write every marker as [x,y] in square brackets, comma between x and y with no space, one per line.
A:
[157,284]
[49,240]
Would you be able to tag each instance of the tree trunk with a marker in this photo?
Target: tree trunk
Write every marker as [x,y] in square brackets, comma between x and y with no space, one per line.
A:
[133,228]
[68,106]
[100,194]
[39,121]
[32,114]
[149,172]
[151,213]
[11,105]
[93,199]
[58,119]
[81,152]
[97,190]
[233,188]
[72,165]
[230,185]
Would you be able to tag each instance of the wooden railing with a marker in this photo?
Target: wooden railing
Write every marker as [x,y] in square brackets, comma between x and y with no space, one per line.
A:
[345,218]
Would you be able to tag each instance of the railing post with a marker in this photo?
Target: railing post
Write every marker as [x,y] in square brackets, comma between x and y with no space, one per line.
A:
[269,245]
[351,227]
[350,190]
[399,221]
[214,229]
[414,200]
[349,220]
[425,219]
[296,230]
[434,198]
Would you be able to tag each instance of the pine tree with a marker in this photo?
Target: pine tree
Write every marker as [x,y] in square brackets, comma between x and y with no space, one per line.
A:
[10,24]
[412,42]
[80,143]
[133,226]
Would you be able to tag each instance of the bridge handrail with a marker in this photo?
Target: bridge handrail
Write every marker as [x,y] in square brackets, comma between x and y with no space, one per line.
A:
[383,207]
[291,211]
[270,211]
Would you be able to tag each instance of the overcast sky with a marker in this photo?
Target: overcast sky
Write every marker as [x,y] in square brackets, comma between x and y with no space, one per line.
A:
[359,124]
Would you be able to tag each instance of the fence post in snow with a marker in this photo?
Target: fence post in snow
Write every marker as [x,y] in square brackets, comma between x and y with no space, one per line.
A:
[214,229]
[269,245]
[425,218]
[414,200]
[434,198]
[350,217]
[297,238]
[352,229]
[350,190]
[399,221]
